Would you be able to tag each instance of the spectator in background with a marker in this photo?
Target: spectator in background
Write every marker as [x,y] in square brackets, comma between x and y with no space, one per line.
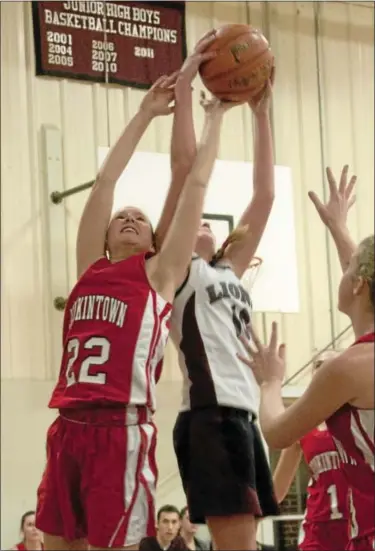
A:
[167,532]
[31,536]
[188,531]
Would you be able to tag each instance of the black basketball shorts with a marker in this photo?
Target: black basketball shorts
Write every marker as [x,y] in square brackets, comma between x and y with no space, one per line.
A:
[223,464]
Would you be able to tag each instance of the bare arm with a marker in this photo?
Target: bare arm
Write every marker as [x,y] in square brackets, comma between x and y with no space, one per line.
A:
[175,255]
[285,471]
[183,151]
[334,213]
[257,213]
[97,212]
[183,143]
[330,388]
[344,244]
[337,382]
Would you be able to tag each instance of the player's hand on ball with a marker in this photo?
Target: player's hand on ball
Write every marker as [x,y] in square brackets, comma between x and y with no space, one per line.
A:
[212,104]
[159,98]
[341,198]
[263,104]
[266,362]
[209,104]
[191,64]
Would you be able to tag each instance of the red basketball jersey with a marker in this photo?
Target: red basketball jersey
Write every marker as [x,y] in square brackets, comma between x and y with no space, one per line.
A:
[353,432]
[327,490]
[115,330]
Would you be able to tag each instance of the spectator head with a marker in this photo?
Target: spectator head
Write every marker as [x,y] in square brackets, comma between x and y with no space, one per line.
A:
[168,523]
[187,528]
[28,529]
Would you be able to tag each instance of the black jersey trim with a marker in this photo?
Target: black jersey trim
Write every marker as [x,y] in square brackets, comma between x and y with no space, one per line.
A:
[220,266]
[183,284]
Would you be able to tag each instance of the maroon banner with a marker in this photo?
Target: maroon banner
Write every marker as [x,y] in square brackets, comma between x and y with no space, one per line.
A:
[131,43]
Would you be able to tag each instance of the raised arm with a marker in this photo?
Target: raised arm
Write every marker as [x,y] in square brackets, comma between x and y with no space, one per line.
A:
[336,383]
[183,143]
[97,212]
[285,470]
[334,213]
[256,215]
[173,260]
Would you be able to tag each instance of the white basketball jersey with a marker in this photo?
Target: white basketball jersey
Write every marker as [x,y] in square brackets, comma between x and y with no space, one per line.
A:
[209,313]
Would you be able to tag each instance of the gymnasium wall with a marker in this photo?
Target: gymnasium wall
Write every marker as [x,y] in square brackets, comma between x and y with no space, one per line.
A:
[323,113]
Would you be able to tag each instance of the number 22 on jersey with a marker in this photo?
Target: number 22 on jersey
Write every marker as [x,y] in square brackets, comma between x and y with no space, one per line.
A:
[101,346]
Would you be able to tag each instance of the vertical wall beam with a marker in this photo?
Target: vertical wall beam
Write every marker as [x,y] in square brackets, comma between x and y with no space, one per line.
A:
[56,234]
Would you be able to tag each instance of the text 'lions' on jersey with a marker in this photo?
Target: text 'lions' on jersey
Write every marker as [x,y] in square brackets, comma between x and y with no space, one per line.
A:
[210,312]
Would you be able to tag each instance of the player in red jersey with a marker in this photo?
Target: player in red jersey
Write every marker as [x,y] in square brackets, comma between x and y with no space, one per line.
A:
[325,525]
[100,476]
[342,391]
[31,536]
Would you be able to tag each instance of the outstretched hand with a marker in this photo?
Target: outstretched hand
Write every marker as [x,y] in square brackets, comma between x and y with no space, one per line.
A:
[341,199]
[266,362]
[158,100]
[192,63]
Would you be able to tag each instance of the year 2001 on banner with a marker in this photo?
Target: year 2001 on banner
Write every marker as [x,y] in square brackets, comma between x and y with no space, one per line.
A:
[130,43]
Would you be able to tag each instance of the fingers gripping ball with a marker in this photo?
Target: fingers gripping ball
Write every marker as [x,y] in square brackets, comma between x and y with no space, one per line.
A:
[243,64]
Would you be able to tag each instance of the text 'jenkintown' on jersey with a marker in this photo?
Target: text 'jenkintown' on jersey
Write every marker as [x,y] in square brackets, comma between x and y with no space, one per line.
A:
[115,330]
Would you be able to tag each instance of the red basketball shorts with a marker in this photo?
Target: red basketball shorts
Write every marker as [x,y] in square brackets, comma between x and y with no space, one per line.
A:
[367,543]
[324,536]
[100,478]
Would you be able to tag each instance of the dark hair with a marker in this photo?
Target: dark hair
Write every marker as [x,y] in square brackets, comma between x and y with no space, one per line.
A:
[183,511]
[167,509]
[24,517]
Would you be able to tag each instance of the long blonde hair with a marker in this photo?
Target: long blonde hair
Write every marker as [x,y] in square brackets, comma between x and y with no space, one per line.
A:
[236,235]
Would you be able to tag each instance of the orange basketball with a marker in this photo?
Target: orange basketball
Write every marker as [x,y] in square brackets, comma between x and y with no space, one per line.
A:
[242,66]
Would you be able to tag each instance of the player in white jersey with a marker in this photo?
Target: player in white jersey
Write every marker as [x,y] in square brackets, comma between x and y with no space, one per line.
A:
[221,458]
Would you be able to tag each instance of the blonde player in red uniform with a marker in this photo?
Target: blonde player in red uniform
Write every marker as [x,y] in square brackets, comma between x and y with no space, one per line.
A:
[342,391]
[325,524]
[100,477]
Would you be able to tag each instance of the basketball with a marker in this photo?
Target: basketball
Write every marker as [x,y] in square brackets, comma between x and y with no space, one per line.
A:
[242,66]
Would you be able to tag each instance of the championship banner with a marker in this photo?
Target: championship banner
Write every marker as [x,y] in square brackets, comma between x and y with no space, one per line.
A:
[130,43]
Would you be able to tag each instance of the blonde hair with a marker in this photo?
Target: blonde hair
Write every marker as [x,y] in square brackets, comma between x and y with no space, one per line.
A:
[236,235]
[366,264]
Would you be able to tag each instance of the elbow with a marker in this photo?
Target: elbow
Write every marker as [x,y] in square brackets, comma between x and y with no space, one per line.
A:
[180,169]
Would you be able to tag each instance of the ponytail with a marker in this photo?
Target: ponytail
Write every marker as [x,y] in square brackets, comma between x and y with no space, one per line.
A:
[236,235]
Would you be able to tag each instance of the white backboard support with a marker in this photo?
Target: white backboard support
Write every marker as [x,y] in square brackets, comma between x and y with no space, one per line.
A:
[145,182]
